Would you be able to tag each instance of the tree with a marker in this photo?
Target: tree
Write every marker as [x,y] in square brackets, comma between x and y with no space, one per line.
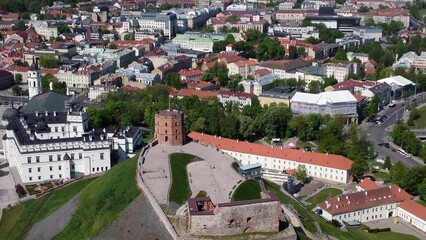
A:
[208,29]
[57,86]
[18,79]
[229,39]
[314,87]
[311,40]
[18,62]
[387,165]
[48,61]
[397,173]
[17,90]
[292,52]
[341,55]
[20,25]
[219,46]
[370,23]
[372,107]
[112,46]
[129,37]
[421,189]
[301,173]
[359,168]
[232,18]
[341,2]
[173,80]
[63,28]
[301,51]
[363,9]
[328,81]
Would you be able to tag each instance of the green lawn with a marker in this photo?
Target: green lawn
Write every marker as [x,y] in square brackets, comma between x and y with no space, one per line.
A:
[310,226]
[420,123]
[180,190]
[322,196]
[15,219]
[382,235]
[326,227]
[102,201]
[246,191]
[60,197]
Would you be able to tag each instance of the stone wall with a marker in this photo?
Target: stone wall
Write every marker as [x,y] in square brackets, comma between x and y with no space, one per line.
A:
[230,220]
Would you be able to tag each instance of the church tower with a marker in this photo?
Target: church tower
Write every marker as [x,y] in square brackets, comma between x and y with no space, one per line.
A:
[34,80]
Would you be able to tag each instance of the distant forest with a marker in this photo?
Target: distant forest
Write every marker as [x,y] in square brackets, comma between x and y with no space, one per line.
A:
[30,6]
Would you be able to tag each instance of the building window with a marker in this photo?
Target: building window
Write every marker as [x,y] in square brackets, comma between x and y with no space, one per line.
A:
[102,169]
[60,167]
[38,159]
[39,177]
[97,169]
[31,178]
[56,129]
[60,175]
[93,170]
[72,166]
[51,168]
[38,169]
[50,158]
[72,156]
[29,170]
[63,129]
[74,128]
[102,156]
[51,176]
[106,168]
[29,159]
[80,155]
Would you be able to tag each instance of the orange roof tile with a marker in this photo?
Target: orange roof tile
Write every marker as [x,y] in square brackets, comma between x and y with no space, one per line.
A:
[365,199]
[414,208]
[367,184]
[320,159]
[250,62]
[200,94]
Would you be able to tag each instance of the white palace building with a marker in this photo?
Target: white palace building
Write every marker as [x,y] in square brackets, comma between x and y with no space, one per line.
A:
[49,138]
[323,166]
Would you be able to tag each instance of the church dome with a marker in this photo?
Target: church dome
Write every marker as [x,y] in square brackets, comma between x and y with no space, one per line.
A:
[10,113]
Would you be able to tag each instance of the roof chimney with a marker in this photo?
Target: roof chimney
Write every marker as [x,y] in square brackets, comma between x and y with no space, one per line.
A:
[54,113]
[36,113]
[338,199]
[46,113]
[366,193]
[399,189]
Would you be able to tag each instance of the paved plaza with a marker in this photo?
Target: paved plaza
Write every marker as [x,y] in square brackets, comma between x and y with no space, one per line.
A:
[213,175]
[402,226]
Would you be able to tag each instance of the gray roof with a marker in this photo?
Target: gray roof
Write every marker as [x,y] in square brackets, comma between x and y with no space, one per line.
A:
[49,101]
[9,113]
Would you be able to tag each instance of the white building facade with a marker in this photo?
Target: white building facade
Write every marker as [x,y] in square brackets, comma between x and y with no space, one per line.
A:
[318,165]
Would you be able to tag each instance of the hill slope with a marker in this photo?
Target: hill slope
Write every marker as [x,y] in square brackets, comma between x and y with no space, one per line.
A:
[102,201]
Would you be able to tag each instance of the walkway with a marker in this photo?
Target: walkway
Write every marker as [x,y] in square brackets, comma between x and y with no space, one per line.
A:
[401,227]
[214,175]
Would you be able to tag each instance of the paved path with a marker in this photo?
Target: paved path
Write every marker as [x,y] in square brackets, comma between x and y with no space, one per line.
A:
[137,221]
[7,188]
[54,223]
[217,166]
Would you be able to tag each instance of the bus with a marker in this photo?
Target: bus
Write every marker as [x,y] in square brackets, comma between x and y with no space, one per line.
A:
[404,153]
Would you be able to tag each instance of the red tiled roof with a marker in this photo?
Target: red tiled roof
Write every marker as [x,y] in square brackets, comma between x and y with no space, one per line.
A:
[241,95]
[367,184]
[12,68]
[348,84]
[320,159]
[262,71]
[364,199]
[200,94]
[358,98]
[250,62]
[190,72]
[414,208]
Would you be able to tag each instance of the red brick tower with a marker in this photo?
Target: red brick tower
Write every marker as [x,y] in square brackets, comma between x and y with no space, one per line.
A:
[169,127]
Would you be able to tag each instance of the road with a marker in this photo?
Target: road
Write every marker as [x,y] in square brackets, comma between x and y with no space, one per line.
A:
[380,133]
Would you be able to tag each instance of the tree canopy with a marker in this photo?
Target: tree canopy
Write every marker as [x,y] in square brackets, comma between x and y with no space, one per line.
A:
[48,61]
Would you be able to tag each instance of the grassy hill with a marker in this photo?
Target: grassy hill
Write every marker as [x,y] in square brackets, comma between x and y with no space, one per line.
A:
[102,201]
[15,219]
[180,190]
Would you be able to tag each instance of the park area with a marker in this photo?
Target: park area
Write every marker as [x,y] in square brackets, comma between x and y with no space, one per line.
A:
[322,196]
[180,190]
[247,190]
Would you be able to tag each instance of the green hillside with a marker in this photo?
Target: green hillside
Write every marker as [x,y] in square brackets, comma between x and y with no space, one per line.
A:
[102,201]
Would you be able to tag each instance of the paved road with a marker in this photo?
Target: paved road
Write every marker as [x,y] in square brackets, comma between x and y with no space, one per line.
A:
[54,223]
[380,133]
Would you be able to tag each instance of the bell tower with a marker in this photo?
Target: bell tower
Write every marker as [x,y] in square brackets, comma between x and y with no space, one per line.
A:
[34,80]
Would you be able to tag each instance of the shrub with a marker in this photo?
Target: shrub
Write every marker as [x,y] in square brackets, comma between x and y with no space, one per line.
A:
[202,193]
[336,223]
[20,191]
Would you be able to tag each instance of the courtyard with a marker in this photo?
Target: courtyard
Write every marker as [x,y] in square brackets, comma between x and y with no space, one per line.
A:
[401,227]
[212,174]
